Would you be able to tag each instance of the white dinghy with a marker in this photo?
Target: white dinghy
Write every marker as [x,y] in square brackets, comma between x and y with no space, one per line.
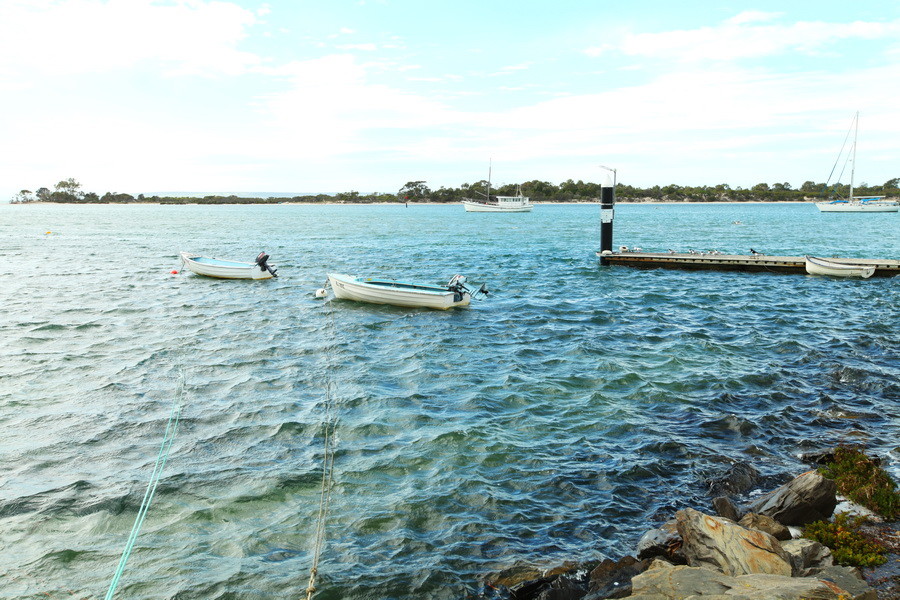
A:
[402,293]
[822,266]
[228,269]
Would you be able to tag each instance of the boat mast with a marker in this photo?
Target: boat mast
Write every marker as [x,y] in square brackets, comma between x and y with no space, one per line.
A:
[853,160]
[490,164]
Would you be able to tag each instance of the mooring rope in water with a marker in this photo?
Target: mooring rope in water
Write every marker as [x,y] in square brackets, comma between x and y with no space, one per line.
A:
[329,425]
[161,458]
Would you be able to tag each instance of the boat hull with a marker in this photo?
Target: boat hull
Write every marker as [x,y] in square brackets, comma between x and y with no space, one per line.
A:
[222,269]
[821,266]
[396,293]
[867,207]
[483,207]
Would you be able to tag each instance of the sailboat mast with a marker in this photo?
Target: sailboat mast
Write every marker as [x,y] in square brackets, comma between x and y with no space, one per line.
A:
[853,160]
[490,164]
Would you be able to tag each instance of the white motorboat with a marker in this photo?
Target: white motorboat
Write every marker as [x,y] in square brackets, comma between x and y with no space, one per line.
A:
[859,203]
[824,266]
[517,203]
[402,293]
[228,269]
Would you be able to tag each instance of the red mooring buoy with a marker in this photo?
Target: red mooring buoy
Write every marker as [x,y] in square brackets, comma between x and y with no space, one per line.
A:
[174,271]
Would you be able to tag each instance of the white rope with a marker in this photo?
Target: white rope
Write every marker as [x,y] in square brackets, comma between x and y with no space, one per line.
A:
[329,425]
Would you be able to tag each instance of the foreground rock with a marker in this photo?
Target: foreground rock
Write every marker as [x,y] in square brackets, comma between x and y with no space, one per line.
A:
[807,498]
[664,581]
[727,547]
[697,555]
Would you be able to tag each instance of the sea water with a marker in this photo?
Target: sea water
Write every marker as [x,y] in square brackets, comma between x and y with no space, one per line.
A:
[556,420]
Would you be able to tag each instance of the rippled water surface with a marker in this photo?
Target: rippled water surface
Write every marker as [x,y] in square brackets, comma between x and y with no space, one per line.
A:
[555,420]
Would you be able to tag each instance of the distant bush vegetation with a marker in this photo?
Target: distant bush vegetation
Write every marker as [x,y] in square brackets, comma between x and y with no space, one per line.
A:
[69,191]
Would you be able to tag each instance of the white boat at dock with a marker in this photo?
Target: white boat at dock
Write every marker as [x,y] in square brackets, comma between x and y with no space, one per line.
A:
[867,204]
[824,266]
[402,293]
[228,269]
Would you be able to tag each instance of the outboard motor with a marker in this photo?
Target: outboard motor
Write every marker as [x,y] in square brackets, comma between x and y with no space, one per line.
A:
[263,265]
[456,279]
[457,285]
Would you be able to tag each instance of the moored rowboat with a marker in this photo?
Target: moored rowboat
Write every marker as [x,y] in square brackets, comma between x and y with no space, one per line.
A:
[402,293]
[228,269]
[822,266]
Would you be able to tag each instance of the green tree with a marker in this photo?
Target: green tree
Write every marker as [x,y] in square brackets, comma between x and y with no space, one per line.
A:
[67,190]
[414,190]
[23,196]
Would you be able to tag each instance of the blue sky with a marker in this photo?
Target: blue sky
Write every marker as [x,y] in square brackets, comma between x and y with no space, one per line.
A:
[144,96]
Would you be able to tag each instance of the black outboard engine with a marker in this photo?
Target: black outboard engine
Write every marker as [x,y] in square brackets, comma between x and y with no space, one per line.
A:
[263,265]
[457,285]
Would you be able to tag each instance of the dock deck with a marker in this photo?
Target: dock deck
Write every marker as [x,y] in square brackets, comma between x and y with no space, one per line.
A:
[736,262]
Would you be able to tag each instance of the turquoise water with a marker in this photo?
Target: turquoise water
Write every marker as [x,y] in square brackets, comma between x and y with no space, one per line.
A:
[556,420]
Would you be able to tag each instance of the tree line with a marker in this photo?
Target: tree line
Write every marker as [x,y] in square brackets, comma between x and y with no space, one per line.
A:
[69,191]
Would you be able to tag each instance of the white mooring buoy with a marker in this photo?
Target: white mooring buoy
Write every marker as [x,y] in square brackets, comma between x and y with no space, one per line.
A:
[321,293]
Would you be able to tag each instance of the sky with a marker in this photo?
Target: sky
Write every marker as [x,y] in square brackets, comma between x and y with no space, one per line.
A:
[299,96]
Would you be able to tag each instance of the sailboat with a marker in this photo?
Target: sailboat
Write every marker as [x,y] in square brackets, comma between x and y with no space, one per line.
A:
[858,203]
[517,203]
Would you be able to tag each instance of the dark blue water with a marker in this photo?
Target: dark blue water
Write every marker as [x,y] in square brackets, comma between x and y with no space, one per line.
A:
[556,420]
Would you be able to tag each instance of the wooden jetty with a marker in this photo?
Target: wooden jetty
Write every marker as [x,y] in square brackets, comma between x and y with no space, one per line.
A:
[734,262]
[708,261]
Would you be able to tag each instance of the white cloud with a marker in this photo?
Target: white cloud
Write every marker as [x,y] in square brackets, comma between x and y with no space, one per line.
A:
[331,106]
[368,47]
[752,16]
[83,36]
[744,37]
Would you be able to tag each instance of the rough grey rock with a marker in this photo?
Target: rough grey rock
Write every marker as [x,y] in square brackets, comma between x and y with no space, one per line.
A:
[807,556]
[664,542]
[849,580]
[739,478]
[767,524]
[611,579]
[726,508]
[807,498]
[725,546]
[670,582]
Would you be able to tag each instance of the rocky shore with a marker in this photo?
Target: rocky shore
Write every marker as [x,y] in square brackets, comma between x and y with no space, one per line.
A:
[727,551]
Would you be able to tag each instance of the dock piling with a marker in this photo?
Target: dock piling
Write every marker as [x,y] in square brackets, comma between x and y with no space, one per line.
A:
[607,212]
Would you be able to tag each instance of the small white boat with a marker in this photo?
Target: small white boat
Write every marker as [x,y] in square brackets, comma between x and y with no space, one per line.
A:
[823,266]
[402,293]
[228,269]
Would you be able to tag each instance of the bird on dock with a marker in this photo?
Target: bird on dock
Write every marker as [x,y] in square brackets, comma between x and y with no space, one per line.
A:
[636,249]
[623,248]
[671,251]
[755,253]
[692,251]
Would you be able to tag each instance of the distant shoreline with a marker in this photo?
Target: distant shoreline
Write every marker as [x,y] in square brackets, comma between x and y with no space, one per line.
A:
[594,202]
